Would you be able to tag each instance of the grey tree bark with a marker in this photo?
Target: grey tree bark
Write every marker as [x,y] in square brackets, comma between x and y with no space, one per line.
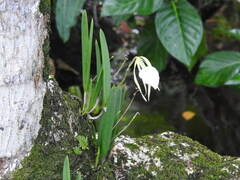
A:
[22,89]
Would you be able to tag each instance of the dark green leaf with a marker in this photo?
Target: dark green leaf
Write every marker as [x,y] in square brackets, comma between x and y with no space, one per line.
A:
[98,58]
[218,68]
[121,7]
[66,169]
[202,50]
[99,83]
[179,27]
[151,47]
[66,16]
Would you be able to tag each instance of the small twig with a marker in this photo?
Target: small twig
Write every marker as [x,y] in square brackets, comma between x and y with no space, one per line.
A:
[125,110]
[137,113]
[120,68]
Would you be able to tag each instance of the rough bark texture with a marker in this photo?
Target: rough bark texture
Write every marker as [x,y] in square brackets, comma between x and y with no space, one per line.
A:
[22,89]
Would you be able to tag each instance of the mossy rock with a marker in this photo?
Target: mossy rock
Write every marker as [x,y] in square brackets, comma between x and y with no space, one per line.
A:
[169,156]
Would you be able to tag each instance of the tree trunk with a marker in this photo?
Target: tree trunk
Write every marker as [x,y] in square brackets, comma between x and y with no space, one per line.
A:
[22,89]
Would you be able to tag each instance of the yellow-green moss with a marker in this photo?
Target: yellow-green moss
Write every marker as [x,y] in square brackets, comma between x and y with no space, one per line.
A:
[45,7]
[171,156]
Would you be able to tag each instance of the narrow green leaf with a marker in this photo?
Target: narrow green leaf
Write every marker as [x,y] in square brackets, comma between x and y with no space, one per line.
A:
[85,42]
[105,126]
[106,67]
[89,50]
[151,47]
[120,7]
[98,58]
[66,16]
[96,90]
[179,27]
[217,68]
[66,169]
[86,50]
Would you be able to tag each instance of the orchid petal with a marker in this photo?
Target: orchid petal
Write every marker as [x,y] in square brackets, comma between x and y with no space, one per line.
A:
[150,76]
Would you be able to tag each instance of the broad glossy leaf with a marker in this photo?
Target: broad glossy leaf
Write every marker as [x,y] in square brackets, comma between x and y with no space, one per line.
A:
[202,50]
[218,68]
[121,7]
[235,80]
[179,27]
[151,47]
[66,16]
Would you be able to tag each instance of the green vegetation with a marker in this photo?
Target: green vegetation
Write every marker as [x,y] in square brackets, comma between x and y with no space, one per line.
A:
[178,30]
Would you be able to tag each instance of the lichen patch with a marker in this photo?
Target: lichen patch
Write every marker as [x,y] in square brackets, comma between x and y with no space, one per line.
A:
[166,135]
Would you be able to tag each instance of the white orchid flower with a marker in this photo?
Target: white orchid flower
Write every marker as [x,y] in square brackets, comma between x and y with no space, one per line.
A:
[150,76]
[147,73]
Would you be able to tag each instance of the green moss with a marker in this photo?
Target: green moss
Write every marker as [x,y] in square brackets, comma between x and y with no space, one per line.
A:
[171,156]
[131,146]
[60,122]
[45,7]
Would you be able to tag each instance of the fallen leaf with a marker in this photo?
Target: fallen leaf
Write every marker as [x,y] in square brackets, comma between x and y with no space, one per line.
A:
[188,115]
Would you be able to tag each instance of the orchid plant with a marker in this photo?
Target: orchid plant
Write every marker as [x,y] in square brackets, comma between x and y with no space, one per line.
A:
[100,94]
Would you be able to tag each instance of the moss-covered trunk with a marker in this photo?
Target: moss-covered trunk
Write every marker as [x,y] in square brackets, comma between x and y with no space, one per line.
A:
[60,124]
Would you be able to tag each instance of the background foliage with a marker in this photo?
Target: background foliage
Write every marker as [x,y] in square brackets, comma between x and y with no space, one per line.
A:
[195,46]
